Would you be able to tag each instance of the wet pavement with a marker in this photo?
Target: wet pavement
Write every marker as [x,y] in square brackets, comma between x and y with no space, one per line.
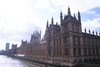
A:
[11,62]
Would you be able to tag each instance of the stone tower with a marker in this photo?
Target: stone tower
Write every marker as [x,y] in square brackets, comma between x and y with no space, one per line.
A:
[35,37]
[70,27]
[70,23]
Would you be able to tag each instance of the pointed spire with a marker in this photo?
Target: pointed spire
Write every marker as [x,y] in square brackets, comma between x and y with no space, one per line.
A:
[69,13]
[22,40]
[89,31]
[47,23]
[56,23]
[96,33]
[31,35]
[93,32]
[61,13]
[85,30]
[26,41]
[61,16]
[52,20]
[79,17]
[74,16]
[78,13]
[40,32]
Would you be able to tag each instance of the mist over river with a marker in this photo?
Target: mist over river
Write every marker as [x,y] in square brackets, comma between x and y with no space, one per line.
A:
[6,61]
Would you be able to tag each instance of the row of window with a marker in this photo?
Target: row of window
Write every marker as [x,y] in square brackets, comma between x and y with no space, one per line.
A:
[91,41]
[73,28]
[76,40]
[86,51]
[91,51]
[57,42]
[58,52]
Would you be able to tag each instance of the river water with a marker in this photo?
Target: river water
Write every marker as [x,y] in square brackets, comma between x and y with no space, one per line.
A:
[11,62]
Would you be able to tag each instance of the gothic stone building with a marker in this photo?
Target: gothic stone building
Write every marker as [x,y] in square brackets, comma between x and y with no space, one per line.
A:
[36,48]
[64,43]
[67,42]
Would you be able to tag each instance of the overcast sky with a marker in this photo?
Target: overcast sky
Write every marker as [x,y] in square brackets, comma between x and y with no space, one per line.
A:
[19,18]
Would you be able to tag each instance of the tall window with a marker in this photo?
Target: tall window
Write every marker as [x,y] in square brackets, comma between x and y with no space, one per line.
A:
[73,40]
[60,41]
[49,52]
[97,51]
[85,51]
[65,39]
[79,51]
[84,40]
[60,51]
[89,41]
[66,51]
[93,51]
[65,28]
[96,42]
[54,42]
[93,41]
[57,52]
[74,51]
[89,51]
[78,40]
[54,52]
[72,27]
[57,41]
[77,28]
[50,43]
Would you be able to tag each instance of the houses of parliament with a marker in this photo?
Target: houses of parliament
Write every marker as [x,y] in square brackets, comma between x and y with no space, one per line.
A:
[63,43]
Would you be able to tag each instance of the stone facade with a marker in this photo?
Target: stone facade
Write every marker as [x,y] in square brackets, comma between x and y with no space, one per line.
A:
[35,48]
[69,42]
[64,43]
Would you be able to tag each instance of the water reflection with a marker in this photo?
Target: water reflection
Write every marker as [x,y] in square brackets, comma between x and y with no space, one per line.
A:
[11,62]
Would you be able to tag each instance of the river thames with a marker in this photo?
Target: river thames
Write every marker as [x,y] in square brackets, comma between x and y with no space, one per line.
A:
[11,62]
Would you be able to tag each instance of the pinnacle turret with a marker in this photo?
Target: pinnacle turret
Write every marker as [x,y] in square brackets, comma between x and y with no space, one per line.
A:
[79,17]
[52,20]
[47,23]
[61,16]
[69,13]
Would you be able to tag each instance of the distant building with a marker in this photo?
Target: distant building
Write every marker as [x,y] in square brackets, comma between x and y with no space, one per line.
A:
[7,46]
[14,46]
[13,50]
[35,37]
